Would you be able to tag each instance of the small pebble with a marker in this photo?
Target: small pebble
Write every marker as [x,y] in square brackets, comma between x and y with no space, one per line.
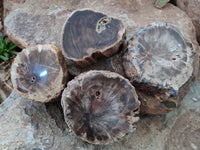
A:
[194,99]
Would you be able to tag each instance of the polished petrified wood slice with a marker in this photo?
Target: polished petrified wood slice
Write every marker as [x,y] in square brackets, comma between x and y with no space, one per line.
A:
[88,35]
[100,107]
[39,73]
[160,62]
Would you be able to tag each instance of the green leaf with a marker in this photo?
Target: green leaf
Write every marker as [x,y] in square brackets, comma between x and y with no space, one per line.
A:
[0,98]
[161,3]
[12,46]
[7,43]
[1,39]
[4,58]
[6,54]
[1,43]
[6,49]
[13,52]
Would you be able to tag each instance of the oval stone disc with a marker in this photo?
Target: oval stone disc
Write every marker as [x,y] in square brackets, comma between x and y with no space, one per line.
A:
[100,107]
[159,60]
[88,35]
[39,73]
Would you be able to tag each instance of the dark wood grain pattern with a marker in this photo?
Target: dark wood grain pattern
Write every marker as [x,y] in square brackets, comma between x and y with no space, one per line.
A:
[88,35]
[100,106]
[113,64]
[160,62]
[39,73]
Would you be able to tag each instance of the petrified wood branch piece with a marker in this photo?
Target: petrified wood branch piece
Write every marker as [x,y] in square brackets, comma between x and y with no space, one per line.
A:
[100,106]
[160,63]
[88,35]
[39,73]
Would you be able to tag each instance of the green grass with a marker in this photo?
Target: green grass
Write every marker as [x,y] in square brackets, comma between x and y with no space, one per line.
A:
[161,3]
[0,99]
[6,49]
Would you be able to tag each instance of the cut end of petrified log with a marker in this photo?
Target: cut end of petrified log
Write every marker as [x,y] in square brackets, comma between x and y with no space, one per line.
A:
[88,35]
[160,61]
[39,73]
[100,106]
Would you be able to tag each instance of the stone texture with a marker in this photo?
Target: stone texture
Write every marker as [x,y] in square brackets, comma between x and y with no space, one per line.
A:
[29,125]
[11,4]
[5,91]
[184,133]
[39,21]
[1,15]
[29,23]
[24,128]
[192,8]
[161,63]
[5,82]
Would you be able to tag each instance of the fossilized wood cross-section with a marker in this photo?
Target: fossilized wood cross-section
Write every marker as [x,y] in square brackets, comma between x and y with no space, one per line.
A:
[160,62]
[88,35]
[39,73]
[100,106]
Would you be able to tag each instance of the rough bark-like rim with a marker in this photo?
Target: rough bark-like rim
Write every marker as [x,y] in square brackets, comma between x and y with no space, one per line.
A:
[109,75]
[115,46]
[63,67]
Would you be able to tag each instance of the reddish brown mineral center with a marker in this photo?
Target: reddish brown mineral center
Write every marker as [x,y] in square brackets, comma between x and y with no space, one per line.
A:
[100,106]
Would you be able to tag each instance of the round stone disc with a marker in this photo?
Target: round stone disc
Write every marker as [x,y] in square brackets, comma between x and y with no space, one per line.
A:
[160,62]
[39,73]
[100,107]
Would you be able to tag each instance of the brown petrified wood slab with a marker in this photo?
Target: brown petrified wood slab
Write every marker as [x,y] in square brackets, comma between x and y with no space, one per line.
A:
[39,73]
[88,35]
[100,107]
[160,62]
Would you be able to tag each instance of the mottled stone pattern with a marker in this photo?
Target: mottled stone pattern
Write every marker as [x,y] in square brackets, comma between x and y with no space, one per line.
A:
[1,15]
[57,12]
[28,25]
[160,62]
[192,9]
[130,12]
[97,35]
[187,135]
[9,5]
[39,73]
[25,128]
[22,127]
[100,107]
[161,56]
